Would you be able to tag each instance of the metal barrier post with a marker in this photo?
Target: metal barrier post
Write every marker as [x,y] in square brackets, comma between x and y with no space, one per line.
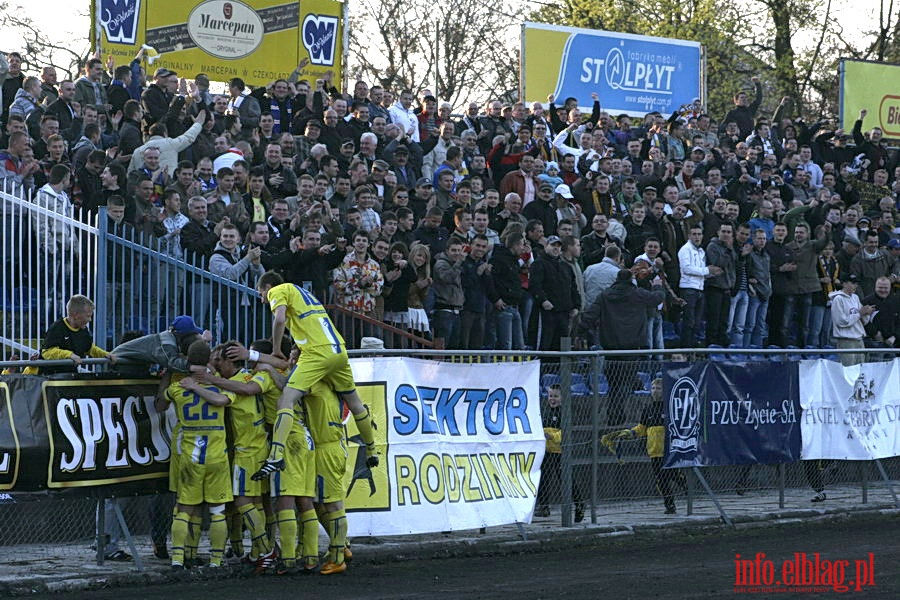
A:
[100,281]
[887,480]
[690,492]
[566,426]
[101,528]
[864,480]
[781,478]
[138,563]
[595,433]
[712,496]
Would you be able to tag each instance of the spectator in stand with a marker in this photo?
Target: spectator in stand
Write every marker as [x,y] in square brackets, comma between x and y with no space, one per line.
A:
[552,284]
[314,261]
[89,89]
[619,316]
[244,105]
[599,276]
[717,289]
[226,262]
[477,286]
[171,279]
[420,259]
[883,329]
[694,272]
[399,275]
[358,279]
[744,112]
[167,147]
[449,296]
[871,263]
[506,264]
[759,289]
[849,319]
[803,282]
[594,244]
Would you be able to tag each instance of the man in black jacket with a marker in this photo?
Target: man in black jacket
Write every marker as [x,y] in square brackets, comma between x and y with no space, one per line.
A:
[158,96]
[505,268]
[621,309]
[198,239]
[314,262]
[744,111]
[552,283]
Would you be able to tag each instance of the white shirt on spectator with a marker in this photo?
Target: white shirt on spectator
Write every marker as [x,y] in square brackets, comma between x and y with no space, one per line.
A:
[692,260]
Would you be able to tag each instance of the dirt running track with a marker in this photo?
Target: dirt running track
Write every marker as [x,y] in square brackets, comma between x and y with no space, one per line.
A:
[681,566]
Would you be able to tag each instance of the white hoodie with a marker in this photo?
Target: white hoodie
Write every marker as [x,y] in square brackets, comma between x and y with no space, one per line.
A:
[846,322]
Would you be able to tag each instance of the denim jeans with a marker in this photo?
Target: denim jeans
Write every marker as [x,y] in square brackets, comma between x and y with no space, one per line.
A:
[718,301]
[655,333]
[798,304]
[447,325]
[691,315]
[526,307]
[819,327]
[755,323]
[737,317]
[509,329]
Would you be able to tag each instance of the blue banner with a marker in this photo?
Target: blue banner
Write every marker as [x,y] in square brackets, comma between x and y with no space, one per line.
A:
[632,74]
[720,414]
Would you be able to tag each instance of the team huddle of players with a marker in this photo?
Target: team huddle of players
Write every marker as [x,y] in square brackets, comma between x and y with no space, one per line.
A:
[264,447]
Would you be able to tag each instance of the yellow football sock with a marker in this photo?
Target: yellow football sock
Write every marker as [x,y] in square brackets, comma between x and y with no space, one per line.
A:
[366,431]
[337,534]
[180,526]
[193,541]
[284,421]
[256,525]
[287,529]
[309,537]
[218,536]
[271,518]
[235,531]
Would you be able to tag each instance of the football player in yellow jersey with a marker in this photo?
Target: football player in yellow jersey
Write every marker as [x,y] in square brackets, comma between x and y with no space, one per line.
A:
[324,413]
[292,488]
[203,466]
[323,358]
[250,445]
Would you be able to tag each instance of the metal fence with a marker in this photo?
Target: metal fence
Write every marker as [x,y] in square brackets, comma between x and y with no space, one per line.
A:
[582,480]
[140,279]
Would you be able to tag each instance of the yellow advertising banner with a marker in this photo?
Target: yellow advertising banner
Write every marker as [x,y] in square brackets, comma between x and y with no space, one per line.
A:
[256,40]
[874,87]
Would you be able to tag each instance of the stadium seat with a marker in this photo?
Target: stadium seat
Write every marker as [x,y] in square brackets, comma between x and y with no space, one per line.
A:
[602,384]
[580,386]
[775,357]
[793,357]
[716,356]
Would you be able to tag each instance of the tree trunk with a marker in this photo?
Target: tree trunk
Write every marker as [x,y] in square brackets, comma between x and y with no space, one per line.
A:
[785,71]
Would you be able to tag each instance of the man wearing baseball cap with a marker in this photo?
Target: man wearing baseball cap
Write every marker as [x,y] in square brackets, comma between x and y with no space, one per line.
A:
[168,348]
[158,96]
[552,283]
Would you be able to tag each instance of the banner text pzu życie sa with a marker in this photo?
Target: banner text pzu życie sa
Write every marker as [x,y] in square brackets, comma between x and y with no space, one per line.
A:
[256,40]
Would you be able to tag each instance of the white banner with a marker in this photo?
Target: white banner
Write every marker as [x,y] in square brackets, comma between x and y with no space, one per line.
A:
[850,413]
[461,446]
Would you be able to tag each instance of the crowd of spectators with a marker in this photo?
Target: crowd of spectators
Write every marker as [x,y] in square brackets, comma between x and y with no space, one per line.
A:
[491,229]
